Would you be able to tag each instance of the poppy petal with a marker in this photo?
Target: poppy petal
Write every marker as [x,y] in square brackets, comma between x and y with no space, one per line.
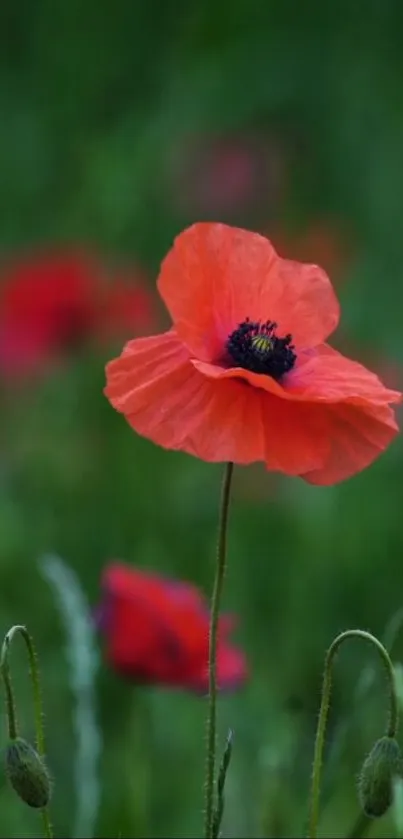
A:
[218,372]
[154,637]
[232,671]
[356,437]
[166,399]
[321,375]
[326,375]
[215,276]
[141,638]
[128,649]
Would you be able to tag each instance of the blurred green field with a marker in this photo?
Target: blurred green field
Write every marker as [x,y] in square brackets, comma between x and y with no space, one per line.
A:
[111,120]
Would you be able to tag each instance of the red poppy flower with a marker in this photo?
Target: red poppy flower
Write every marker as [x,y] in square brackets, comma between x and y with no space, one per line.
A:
[54,301]
[46,302]
[156,631]
[244,374]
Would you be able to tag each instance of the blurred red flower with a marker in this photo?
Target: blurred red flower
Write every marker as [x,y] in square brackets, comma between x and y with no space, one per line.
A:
[125,305]
[156,631]
[227,384]
[54,301]
[224,173]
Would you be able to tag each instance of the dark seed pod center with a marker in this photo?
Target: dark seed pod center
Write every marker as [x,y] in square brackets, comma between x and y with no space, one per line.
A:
[255,346]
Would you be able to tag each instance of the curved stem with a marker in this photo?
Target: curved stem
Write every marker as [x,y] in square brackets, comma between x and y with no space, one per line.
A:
[215,609]
[392,721]
[38,711]
[11,712]
[360,827]
[33,666]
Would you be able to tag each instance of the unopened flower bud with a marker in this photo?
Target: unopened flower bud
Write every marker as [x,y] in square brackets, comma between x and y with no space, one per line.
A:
[375,785]
[27,773]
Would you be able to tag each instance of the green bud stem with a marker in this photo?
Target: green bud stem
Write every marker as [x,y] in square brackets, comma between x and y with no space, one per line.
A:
[37,697]
[11,712]
[360,827]
[392,720]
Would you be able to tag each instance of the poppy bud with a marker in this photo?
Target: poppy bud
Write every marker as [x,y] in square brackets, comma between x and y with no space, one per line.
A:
[380,768]
[27,773]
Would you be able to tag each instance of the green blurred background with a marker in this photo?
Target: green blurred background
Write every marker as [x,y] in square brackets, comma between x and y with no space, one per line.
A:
[119,125]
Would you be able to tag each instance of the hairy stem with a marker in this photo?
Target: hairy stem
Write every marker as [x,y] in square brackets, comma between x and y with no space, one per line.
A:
[392,720]
[360,827]
[10,703]
[215,610]
[11,712]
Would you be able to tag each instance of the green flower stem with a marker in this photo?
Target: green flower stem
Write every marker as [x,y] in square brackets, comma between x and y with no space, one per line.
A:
[215,610]
[10,702]
[392,721]
[11,712]
[360,827]
[47,824]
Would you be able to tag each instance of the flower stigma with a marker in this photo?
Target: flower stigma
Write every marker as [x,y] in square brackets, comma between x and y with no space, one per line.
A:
[256,347]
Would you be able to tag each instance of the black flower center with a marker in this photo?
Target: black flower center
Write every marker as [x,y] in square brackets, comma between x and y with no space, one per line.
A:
[256,347]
